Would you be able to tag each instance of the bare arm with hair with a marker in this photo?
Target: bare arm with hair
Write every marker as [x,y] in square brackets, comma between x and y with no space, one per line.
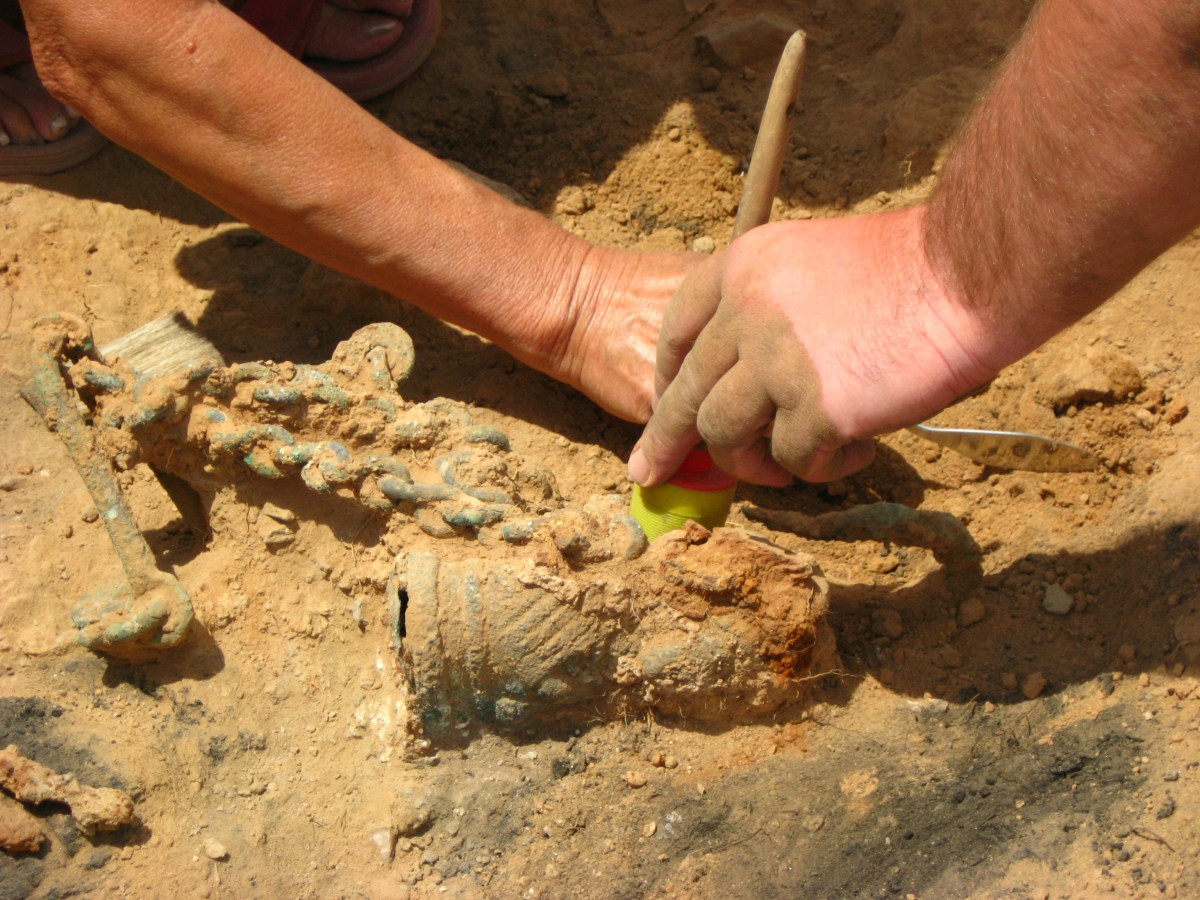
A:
[1080,165]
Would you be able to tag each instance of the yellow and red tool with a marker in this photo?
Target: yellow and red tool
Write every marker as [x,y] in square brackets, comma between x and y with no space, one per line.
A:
[700,491]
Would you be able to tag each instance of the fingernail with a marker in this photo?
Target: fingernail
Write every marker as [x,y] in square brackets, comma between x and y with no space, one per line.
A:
[58,125]
[639,466]
[382,25]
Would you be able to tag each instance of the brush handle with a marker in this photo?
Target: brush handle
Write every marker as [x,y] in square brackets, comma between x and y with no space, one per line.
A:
[774,132]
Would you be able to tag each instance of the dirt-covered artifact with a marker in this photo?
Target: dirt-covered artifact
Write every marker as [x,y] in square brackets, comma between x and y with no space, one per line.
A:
[721,626]
[339,428]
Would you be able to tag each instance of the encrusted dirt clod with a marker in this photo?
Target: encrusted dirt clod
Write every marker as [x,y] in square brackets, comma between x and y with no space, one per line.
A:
[94,809]
[20,831]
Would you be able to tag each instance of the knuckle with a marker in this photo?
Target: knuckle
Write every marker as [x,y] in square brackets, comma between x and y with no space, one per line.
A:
[714,426]
[795,451]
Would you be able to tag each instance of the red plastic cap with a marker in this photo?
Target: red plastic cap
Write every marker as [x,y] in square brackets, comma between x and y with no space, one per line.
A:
[698,472]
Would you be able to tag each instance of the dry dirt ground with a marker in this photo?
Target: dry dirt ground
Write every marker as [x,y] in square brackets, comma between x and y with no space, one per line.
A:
[968,743]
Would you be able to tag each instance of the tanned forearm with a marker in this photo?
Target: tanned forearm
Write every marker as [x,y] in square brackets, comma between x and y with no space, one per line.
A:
[203,96]
[1079,167]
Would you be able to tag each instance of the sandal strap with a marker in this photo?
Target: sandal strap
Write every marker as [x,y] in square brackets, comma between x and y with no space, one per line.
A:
[288,23]
[14,46]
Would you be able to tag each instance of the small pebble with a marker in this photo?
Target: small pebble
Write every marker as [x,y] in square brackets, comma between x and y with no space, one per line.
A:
[1033,685]
[1127,654]
[704,244]
[9,482]
[710,78]
[649,829]
[550,84]
[1057,601]
[635,779]
[671,762]
[214,849]
[887,623]
[1009,681]
[572,201]
[971,611]
[385,842]
[91,514]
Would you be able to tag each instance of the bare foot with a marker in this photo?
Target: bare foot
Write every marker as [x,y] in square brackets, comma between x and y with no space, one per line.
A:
[353,30]
[29,115]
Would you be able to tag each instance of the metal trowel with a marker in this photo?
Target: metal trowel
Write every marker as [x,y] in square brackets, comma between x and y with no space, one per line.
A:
[1011,449]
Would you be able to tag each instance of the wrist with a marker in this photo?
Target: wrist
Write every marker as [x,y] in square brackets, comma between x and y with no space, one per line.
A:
[921,347]
[959,329]
[608,333]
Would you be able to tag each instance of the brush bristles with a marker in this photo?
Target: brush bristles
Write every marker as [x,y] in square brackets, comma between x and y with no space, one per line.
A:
[168,344]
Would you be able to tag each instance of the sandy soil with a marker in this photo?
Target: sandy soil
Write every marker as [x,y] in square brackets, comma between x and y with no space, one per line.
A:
[968,742]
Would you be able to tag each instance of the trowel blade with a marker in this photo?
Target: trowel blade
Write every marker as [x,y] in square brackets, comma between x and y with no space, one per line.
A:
[1011,449]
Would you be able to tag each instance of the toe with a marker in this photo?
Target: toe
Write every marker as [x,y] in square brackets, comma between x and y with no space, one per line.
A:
[398,8]
[349,36]
[14,119]
[29,114]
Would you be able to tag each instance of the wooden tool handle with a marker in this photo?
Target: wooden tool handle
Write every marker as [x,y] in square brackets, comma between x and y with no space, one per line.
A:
[766,162]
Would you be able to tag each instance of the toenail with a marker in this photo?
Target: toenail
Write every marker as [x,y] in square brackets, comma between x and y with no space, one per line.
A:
[5,140]
[58,125]
[381,26]
[72,113]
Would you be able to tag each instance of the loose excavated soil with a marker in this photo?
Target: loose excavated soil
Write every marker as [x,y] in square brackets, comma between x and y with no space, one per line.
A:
[968,742]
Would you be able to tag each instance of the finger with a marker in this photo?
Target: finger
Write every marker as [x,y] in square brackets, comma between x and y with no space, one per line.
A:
[671,431]
[813,451]
[752,463]
[734,421]
[737,410]
[834,463]
[694,304]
